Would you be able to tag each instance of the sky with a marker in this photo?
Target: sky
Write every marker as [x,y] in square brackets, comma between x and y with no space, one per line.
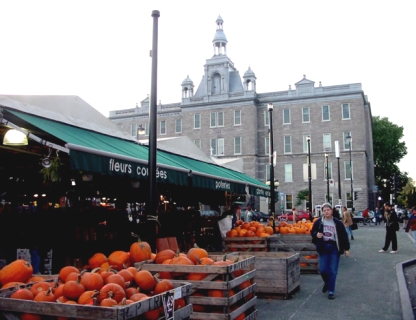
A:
[99,50]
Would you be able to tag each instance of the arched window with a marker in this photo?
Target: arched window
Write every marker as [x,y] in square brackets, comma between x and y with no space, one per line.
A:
[216,84]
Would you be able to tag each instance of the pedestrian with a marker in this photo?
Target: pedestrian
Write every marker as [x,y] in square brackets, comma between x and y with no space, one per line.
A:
[377,215]
[248,217]
[331,240]
[405,218]
[392,226]
[347,220]
[294,214]
[411,224]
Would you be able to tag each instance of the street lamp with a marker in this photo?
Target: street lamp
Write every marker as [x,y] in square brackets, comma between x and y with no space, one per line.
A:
[308,140]
[272,195]
[349,139]
[327,177]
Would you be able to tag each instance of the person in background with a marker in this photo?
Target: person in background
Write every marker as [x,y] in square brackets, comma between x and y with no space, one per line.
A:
[331,240]
[405,218]
[294,213]
[347,220]
[411,224]
[377,215]
[392,226]
[249,215]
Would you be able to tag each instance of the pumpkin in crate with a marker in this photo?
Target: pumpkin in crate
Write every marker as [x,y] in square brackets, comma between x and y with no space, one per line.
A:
[30,316]
[119,260]
[164,255]
[92,280]
[162,286]
[195,254]
[97,260]
[65,271]
[145,280]
[23,294]
[18,271]
[140,251]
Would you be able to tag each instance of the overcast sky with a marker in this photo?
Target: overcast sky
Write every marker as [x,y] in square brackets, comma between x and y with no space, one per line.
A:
[99,50]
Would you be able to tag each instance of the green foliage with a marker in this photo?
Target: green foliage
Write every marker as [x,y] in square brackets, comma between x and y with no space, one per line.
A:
[302,195]
[388,151]
[52,173]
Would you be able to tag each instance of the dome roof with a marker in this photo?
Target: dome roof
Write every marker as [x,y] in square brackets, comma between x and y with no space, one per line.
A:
[187,81]
[249,73]
[219,36]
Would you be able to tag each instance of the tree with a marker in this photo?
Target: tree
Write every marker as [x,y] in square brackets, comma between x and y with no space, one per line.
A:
[408,195]
[388,150]
[302,195]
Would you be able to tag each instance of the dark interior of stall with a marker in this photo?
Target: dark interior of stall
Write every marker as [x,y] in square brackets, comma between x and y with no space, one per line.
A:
[64,222]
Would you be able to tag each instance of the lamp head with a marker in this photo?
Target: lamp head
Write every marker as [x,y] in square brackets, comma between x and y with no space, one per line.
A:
[308,138]
[15,137]
[270,107]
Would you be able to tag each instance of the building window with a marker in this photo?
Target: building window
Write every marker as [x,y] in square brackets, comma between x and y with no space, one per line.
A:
[198,143]
[217,147]
[213,147]
[267,172]
[306,114]
[146,129]
[266,145]
[197,121]
[266,119]
[286,116]
[346,141]
[289,201]
[346,111]
[347,170]
[305,171]
[220,118]
[133,129]
[325,113]
[288,144]
[213,120]
[237,145]
[329,170]
[349,200]
[221,146]
[237,117]
[288,172]
[327,142]
[178,125]
[305,143]
[163,127]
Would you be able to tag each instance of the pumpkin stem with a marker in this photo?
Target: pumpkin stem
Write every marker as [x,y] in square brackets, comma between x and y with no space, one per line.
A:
[95,270]
[48,292]
[197,259]
[156,277]
[195,245]
[225,257]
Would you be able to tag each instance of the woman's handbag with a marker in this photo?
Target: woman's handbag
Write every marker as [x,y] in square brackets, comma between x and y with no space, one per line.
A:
[354,226]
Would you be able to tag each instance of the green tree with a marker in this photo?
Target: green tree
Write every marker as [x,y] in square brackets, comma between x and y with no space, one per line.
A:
[388,149]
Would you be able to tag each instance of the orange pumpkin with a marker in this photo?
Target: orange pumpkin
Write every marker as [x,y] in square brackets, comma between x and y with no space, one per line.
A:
[162,286]
[73,289]
[119,260]
[164,255]
[65,271]
[118,292]
[97,260]
[92,280]
[18,270]
[30,316]
[88,297]
[45,296]
[23,294]
[145,280]
[140,251]
[196,254]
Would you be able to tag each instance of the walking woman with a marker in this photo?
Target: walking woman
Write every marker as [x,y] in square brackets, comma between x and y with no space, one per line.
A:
[331,240]
[392,226]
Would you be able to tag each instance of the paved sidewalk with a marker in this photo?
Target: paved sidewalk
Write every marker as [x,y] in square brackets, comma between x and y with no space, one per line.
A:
[366,284]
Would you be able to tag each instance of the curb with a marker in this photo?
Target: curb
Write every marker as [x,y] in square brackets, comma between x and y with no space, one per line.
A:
[407,309]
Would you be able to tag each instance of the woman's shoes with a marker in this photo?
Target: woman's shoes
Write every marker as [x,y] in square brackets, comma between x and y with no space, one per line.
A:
[331,296]
[325,288]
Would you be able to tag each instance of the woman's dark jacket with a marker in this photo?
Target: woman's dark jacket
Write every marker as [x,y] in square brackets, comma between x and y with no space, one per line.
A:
[341,236]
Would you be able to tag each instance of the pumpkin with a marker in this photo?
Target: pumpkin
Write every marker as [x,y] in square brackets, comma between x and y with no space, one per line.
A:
[118,292]
[72,276]
[164,255]
[65,271]
[127,275]
[12,284]
[119,260]
[35,279]
[18,270]
[39,287]
[145,280]
[165,274]
[23,294]
[138,297]
[30,316]
[73,289]
[268,230]
[116,278]
[196,254]
[162,286]
[130,291]
[140,251]
[58,291]
[92,280]
[88,297]
[97,260]
[45,296]
[152,314]
[179,303]
[125,302]
[109,301]
[133,270]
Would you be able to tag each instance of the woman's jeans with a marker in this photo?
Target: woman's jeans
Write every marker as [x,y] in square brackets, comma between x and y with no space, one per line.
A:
[414,236]
[328,264]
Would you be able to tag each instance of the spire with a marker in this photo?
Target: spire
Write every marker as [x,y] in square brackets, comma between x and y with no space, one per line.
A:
[220,40]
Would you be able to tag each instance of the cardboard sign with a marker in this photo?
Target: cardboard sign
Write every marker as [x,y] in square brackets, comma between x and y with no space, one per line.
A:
[168,304]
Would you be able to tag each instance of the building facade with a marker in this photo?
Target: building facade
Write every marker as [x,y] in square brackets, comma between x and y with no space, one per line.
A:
[227,118]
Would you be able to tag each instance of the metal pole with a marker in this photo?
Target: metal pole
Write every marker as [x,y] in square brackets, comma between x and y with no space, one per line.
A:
[308,139]
[337,155]
[327,178]
[152,136]
[352,189]
[272,195]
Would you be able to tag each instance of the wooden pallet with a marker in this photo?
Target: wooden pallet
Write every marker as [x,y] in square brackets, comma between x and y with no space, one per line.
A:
[11,307]
[233,301]
[250,244]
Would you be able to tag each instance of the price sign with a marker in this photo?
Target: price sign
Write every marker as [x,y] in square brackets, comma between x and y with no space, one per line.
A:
[168,304]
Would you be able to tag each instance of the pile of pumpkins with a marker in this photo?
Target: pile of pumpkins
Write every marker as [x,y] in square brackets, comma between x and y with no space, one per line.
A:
[249,229]
[113,280]
[301,227]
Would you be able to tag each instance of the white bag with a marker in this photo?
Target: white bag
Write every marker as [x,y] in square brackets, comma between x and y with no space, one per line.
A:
[225,225]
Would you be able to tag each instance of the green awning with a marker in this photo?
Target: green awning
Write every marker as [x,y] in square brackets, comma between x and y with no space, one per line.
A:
[107,155]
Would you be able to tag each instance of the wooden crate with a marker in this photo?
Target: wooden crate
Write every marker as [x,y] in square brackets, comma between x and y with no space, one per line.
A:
[226,306]
[300,243]
[9,307]
[244,244]
[277,274]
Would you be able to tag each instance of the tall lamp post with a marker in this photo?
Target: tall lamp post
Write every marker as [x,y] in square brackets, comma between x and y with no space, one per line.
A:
[272,195]
[327,177]
[352,189]
[339,172]
[308,140]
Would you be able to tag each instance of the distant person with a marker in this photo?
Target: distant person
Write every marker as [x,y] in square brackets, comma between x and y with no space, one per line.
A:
[331,240]
[294,214]
[248,215]
[377,215]
[405,218]
[411,224]
[347,221]
[392,226]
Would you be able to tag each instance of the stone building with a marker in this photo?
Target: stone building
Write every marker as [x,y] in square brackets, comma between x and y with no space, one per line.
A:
[227,118]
